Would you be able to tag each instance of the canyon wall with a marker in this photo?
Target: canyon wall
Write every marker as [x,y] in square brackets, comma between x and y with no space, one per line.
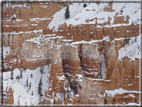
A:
[28,16]
[75,76]
[71,66]
[90,60]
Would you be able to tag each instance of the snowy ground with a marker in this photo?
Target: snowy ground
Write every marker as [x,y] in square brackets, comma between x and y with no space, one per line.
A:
[79,14]
[21,92]
[132,49]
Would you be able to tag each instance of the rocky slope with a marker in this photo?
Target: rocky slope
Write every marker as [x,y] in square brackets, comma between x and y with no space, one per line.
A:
[91,62]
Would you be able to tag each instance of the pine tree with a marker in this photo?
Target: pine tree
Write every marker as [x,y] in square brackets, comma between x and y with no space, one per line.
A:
[41,69]
[25,70]
[12,73]
[126,38]
[30,85]
[48,62]
[27,82]
[21,73]
[67,13]
[135,39]
[32,93]
[84,5]
[31,75]
[67,93]
[40,87]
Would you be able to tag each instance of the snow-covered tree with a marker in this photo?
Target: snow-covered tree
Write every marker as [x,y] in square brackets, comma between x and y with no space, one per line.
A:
[31,75]
[126,38]
[67,13]
[32,93]
[84,5]
[135,39]
[25,69]
[40,87]
[30,86]
[48,62]
[27,82]
[21,73]
[67,93]
[41,69]
[12,73]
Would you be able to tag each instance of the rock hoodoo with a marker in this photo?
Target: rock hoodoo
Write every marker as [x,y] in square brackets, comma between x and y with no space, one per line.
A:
[85,68]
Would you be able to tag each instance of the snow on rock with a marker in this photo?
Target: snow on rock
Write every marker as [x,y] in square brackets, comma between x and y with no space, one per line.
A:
[39,19]
[80,15]
[119,91]
[132,49]
[6,51]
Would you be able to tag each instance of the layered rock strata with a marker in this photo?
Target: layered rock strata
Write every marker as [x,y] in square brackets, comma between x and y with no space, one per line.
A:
[58,91]
[71,66]
[90,60]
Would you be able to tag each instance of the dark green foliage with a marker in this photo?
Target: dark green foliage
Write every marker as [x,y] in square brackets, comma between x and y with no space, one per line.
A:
[132,23]
[32,93]
[67,93]
[48,62]
[18,77]
[30,85]
[67,13]
[25,69]
[126,38]
[21,73]
[115,32]
[84,5]
[41,69]
[40,87]
[27,82]
[75,86]
[135,39]
[12,73]
[31,75]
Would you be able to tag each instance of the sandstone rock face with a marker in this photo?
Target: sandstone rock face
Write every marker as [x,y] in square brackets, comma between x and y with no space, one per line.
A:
[75,68]
[8,97]
[90,60]
[29,16]
[58,90]
[71,66]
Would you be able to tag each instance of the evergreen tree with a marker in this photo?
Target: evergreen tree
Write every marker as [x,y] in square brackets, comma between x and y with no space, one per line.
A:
[31,75]
[41,69]
[12,73]
[40,87]
[32,93]
[27,82]
[21,73]
[25,69]
[67,13]
[135,39]
[126,38]
[30,85]
[48,62]
[84,5]
[67,93]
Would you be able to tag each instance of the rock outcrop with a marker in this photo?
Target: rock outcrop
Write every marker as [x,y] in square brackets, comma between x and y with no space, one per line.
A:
[8,97]
[90,60]
[58,90]
[75,75]
[71,66]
